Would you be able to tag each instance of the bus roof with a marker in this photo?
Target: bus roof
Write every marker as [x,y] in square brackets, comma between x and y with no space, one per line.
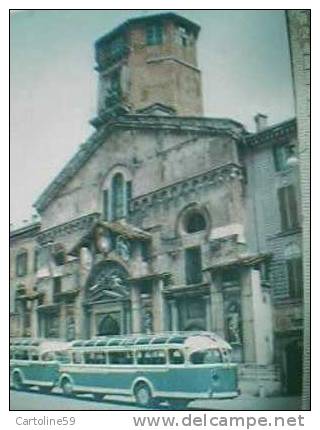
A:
[42,345]
[192,340]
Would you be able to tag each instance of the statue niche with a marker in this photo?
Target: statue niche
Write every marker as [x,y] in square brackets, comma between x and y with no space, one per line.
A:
[107,281]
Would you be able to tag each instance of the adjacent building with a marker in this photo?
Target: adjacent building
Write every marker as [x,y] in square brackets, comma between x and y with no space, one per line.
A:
[167,220]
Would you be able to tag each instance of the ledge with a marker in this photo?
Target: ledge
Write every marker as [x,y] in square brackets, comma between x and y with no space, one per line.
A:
[228,171]
[247,260]
[199,288]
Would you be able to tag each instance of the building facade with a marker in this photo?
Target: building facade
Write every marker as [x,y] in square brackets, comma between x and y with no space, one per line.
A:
[168,220]
[23,276]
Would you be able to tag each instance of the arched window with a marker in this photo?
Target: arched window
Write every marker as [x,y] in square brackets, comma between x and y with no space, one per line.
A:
[118,195]
[194,221]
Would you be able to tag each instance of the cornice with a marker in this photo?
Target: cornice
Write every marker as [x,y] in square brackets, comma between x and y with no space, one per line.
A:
[218,175]
[271,134]
[78,224]
[25,231]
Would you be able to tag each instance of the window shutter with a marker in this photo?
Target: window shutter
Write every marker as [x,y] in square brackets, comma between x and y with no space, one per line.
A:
[291,278]
[288,207]
[295,278]
[292,203]
[106,205]
[299,277]
[129,194]
[282,207]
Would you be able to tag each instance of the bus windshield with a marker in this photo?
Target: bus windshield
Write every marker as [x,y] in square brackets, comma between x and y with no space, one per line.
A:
[207,356]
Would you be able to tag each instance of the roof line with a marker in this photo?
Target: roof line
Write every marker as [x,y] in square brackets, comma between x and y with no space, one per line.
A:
[97,138]
[159,16]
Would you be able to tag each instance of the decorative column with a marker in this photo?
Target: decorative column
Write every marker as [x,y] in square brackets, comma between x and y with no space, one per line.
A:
[62,321]
[82,319]
[136,309]
[128,326]
[208,313]
[216,299]
[34,320]
[158,306]
[20,309]
[174,315]
[256,319]
[125,318]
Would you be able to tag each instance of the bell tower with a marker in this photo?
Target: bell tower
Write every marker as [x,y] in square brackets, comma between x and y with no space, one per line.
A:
[149,64]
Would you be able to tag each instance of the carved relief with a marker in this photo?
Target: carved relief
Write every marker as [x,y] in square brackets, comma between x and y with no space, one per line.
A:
[103,241]
[233,324]
[123,248]
[107,281]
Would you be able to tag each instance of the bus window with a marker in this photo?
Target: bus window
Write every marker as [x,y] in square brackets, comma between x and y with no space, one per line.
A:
[76,358]
[48,356]
[176,356]
[88,357]
[100,358]
[95,357]
[21,354]
[121,357]
[209,356]
[62,356]
[152,357]
[34,356]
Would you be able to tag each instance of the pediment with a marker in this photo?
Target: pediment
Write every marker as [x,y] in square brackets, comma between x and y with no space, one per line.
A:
[116,239]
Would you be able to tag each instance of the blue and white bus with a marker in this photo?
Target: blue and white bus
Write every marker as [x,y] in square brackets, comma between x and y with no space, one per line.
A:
[36,363]
[173,367]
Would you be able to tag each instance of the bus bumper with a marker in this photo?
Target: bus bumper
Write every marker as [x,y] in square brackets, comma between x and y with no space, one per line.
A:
[224,395]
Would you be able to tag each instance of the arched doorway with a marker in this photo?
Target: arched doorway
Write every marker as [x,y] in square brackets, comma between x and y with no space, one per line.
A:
[293,358]
[108,326]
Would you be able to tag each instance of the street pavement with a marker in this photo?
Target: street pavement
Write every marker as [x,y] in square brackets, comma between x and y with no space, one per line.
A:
[32,400]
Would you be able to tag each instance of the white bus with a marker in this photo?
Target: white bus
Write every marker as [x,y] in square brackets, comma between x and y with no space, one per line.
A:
[174,367]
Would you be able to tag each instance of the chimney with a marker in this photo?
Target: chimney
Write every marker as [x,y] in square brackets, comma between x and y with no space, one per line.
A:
[261,121]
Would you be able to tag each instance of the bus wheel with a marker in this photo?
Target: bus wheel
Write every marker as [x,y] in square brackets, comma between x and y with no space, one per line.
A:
[178,404]
[98,396]
[67,387]
[143,395]
[17,382]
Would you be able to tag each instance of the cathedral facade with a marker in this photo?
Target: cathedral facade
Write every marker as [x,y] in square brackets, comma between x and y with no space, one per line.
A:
[166,220]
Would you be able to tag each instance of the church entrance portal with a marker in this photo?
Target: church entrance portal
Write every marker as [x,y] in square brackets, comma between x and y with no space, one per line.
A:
[109,326]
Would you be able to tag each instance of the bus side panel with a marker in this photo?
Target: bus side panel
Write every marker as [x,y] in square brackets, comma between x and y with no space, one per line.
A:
[200,380]
[43,372]
[117,378]
[105,378]
[224,379]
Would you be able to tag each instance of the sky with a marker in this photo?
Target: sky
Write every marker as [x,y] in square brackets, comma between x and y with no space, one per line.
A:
[243,55]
